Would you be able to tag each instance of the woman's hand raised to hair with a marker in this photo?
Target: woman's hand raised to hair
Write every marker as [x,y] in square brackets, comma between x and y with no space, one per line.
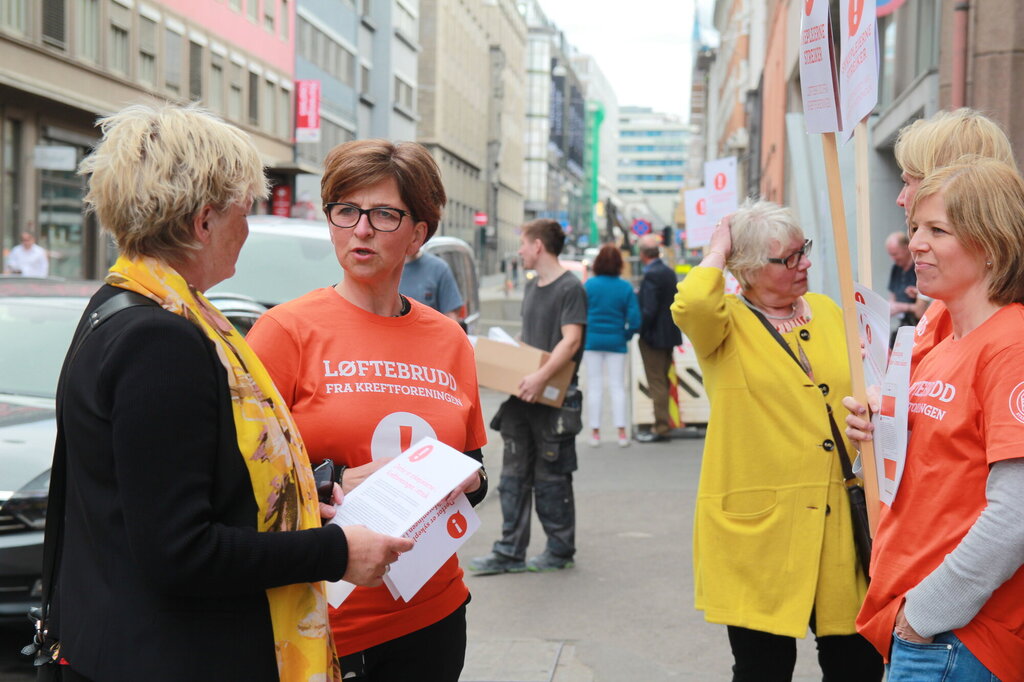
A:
[720,245]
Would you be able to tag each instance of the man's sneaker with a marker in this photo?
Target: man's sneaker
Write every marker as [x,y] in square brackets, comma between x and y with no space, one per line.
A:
[546,561]
[495,563]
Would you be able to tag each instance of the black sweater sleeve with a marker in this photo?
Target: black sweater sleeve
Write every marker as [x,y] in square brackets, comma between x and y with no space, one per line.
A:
[188,508]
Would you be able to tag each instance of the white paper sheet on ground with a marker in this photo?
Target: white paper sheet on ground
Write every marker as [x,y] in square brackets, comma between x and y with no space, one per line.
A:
[438,535]
[499,334]
[891,420]
[397,495]
[873,327]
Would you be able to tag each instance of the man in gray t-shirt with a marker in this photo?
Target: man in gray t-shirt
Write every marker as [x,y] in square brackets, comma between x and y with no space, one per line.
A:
[428,279]
[540,441]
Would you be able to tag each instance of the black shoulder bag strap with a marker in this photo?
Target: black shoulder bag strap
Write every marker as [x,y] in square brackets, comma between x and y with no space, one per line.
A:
[43,648]
[858,503]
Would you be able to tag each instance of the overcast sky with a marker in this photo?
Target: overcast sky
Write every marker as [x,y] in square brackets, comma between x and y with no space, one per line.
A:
[642,46]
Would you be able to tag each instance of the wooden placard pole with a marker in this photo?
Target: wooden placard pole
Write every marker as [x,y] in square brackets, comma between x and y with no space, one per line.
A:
[860,141]
[845,270]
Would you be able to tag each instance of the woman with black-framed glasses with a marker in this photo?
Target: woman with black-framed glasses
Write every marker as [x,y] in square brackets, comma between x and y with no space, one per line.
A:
[366,372]
[773,543]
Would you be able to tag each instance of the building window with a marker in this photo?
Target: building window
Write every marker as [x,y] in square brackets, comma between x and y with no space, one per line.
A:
[252,10]
[405,21]
[365,7]
[268,14]
[282,23]
[346,72]
[235,4]
[364,79]
[215,96]
[53,23]
[254,98]
[14,15]
[235,93]
[269,119]
[304,43]
[195,71]
[147,50]
[119,50]
[404,94]
[284,119]
[172,60]
[87,30]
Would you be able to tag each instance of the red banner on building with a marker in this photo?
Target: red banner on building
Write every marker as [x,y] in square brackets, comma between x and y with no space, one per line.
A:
[307,111]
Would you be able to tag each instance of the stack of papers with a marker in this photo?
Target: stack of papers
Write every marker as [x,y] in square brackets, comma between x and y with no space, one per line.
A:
[406,497]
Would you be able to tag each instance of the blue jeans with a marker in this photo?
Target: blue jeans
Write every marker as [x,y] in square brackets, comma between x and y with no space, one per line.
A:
[946,659]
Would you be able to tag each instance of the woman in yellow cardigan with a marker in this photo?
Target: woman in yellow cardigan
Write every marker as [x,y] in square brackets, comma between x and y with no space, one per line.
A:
[773,540]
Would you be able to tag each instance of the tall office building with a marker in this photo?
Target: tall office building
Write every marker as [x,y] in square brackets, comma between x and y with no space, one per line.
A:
[365,55]
[653,150]
[471,96]
[555,127]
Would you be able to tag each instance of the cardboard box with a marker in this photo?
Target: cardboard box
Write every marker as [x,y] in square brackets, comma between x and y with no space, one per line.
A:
[502,366]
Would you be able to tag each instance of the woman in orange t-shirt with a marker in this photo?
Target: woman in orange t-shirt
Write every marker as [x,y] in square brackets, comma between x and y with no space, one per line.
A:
[946,600]
[366,372]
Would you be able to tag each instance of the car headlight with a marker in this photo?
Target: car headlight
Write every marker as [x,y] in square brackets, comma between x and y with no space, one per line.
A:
[28,505]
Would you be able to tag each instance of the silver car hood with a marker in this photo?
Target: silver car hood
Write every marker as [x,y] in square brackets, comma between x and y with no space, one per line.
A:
[28,428]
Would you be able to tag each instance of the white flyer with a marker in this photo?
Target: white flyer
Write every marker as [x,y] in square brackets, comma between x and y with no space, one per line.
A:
[873,326]
[438,535]
[396,496]
[891,419]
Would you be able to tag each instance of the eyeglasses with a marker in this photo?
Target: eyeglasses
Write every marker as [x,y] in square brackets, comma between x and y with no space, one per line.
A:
[382,218]
[793,259]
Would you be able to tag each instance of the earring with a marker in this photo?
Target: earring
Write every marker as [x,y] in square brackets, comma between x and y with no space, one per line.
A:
[988,264]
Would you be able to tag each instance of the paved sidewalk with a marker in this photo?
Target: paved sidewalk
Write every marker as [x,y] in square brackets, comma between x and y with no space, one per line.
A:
[625,612]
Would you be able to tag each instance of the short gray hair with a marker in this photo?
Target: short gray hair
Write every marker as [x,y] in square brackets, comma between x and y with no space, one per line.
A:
[754,228]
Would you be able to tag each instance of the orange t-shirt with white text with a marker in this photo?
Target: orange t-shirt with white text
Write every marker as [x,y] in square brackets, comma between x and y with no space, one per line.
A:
[361,387]
[966,412]
[934,325]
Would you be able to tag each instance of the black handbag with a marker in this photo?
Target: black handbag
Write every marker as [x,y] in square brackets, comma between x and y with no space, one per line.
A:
[45,646]
[855,491]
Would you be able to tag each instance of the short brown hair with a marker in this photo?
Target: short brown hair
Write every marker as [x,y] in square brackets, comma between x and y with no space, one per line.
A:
[548,231]
[941,139]
[359,164]
[984,201]
[608,261]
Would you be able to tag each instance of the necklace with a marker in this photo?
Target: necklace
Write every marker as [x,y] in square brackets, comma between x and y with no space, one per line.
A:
[790,316]
[405,306]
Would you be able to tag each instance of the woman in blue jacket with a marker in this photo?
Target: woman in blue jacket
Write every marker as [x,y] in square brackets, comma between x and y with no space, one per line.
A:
[613,316]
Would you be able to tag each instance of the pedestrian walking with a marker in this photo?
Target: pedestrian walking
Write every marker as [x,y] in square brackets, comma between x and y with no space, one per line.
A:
[947,594]
[540,440]
[658,333]
[773,544]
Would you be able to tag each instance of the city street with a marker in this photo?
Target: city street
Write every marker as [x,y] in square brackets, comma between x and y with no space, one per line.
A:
[625,612]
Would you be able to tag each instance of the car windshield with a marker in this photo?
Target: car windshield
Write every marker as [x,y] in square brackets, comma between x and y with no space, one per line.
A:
[274,268]
[34,337]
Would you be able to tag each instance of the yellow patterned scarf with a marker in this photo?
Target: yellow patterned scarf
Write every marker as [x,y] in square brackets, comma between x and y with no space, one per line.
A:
[278,465]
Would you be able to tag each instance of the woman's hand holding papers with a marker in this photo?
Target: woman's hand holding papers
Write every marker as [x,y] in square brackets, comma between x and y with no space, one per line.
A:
[370,553]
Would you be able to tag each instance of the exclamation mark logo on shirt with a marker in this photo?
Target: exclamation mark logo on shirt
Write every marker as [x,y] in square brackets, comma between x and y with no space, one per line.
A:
[404,438]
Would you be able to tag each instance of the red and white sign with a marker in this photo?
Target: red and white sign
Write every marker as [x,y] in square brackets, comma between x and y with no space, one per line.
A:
[818,86]
[307,111]
[720,184]
[281,201]
[479,218]
[699,226]
[858,63]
